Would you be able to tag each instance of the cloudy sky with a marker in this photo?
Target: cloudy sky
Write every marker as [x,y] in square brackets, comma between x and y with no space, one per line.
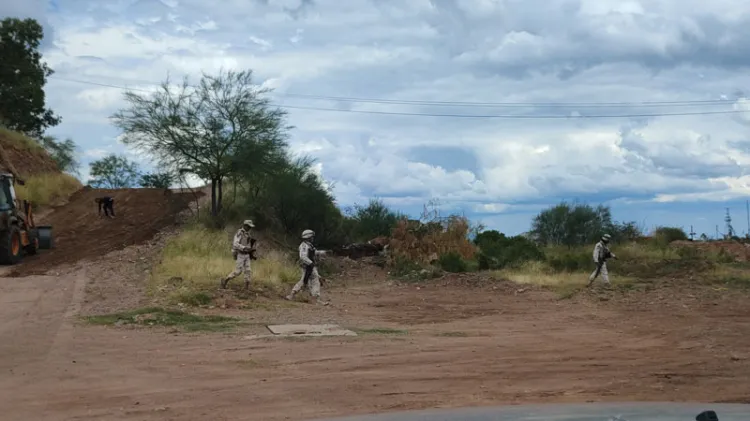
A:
[513,90]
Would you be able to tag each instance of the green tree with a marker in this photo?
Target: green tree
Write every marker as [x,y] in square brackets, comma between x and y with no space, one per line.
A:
[23,75]
[113,172]
[497,251]
[158,180]
[575,224]
[63,152]
[669,234]
[571,224]
[216,130]
[626,231]
[293,199]
[373,220]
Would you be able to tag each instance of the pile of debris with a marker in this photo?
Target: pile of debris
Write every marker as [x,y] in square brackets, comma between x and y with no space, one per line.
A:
[355,251]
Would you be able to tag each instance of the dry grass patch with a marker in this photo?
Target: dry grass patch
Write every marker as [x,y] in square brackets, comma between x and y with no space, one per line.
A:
[48,189]
[736,275]
[193,262]
[564,283]
[19,140]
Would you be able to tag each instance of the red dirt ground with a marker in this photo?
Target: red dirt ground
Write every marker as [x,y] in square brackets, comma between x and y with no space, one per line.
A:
[79,232]
[459,341]
[461,345]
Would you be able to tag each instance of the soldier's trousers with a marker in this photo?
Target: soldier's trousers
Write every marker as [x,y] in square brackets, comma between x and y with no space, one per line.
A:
[601,269]
[311,278]
[242,266]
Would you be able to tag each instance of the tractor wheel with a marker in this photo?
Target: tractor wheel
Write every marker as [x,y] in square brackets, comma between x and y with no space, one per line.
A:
[33,246]
[10,246]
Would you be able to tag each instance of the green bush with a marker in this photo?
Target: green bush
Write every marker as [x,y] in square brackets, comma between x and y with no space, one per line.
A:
[571,262]
[291,199]
[402,267]
[453,263]
[364,223]
[496,251]
[669,234]
[407,270]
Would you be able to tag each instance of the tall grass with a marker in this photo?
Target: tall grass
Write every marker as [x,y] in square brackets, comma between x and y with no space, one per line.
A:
[19,140]
[541,273]
[193,262]
[48,188]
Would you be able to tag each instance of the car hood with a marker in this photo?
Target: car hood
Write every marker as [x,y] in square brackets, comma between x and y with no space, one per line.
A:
[569,412]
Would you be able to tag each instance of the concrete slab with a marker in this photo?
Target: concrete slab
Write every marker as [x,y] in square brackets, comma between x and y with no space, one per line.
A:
[310,330]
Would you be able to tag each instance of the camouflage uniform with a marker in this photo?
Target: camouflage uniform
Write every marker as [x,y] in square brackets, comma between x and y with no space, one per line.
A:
[600,255]
[308,257]
[241,249]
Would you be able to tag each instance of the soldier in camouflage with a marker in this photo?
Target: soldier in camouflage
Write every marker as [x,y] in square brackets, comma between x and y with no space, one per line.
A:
[308,257]
[243,251]
[601,255]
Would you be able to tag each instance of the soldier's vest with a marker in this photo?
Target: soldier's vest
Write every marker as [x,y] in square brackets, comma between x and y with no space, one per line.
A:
[310,255]
[245,242]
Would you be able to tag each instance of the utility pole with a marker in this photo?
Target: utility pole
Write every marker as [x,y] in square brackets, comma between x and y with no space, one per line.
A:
[747,209]
[692,234]
[730,229]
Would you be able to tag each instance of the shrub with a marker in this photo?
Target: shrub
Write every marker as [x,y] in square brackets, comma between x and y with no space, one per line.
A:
[401,267]
[371,221]
[291,199]
[497,251]
[669,234]
[422,242]
[571,262]
[689,253]
[452,262]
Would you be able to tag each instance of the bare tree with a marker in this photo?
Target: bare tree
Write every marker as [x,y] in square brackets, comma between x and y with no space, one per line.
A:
[222,127]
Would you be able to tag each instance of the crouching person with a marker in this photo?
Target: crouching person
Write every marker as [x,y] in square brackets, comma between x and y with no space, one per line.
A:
[308,257]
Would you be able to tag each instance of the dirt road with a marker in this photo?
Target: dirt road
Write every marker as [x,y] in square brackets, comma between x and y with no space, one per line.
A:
[460,346]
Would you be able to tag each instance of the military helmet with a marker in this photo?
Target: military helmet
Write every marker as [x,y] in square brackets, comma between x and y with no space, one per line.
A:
[606,238]
[308,234]
[249,223]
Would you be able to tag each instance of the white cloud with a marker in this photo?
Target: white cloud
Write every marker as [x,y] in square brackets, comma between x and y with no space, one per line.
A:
[100,98]
[491,207]
[583,51]
[96,153]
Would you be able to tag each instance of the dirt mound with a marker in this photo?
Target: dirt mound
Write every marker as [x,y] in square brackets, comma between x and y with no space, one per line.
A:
[80,233]
[740,251]
[24,155]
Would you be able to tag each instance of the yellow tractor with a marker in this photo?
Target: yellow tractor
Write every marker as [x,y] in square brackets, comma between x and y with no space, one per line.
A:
[19,235]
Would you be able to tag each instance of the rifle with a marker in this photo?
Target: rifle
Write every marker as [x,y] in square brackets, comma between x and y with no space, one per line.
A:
[251,252]
[252,249]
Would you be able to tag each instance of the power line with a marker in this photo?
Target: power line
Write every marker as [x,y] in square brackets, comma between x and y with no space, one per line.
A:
[468,104]
[514,104]
[527,117]
[683,103]
[485,116]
